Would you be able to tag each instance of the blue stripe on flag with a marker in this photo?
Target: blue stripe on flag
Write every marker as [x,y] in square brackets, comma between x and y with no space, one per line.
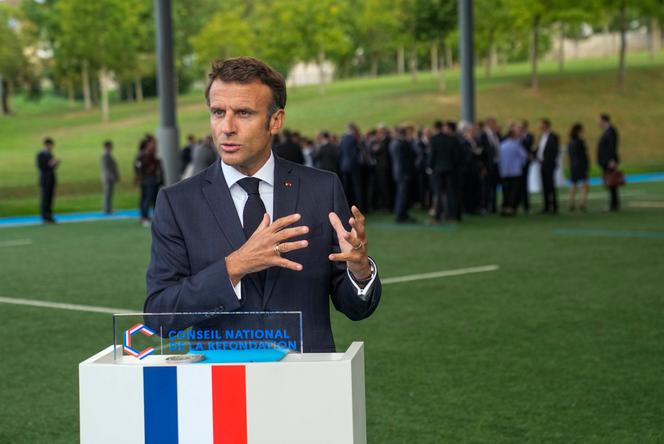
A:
[160,396]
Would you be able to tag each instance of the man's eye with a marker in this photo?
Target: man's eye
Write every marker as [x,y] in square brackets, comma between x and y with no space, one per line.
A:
[218,112]
[244,113]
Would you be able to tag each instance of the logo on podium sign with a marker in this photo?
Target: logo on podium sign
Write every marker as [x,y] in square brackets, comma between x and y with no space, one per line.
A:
[136,329]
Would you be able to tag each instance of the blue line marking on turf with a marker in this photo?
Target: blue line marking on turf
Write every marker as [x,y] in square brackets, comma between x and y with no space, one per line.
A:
[591,232]
[18,221]
[160,396]
[630,178]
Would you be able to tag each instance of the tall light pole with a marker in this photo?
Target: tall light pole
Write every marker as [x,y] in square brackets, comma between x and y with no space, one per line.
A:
[167,133]
[467,60]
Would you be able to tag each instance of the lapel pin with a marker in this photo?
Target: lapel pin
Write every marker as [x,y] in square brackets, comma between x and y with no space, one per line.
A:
[288,184]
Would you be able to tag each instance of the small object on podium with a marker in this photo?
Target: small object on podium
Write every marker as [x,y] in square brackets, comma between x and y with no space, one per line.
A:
[184,359]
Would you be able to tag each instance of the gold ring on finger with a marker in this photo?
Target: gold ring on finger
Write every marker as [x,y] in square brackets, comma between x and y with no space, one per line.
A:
[359,247]
[277,249]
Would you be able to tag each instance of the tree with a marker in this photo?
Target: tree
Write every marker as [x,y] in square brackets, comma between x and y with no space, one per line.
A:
[376,24]
[493,23]
[433,22]
[13,63]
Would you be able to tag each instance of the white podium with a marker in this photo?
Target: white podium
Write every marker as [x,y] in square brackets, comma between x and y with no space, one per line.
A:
[304,398]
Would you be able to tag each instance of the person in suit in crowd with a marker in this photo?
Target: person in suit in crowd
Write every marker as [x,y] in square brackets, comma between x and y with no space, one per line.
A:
[490,141]
[327,154]
[384,190]
[110,175]
[443,165]
[578,165]
[255,232]
[472,168]
[204,155]
[403,169]
[512,156]
[149,170]
[290,149]
[547,155]
[47,164]
[308,152]
[350,169]
[527,141]
[187,153]
[607,156]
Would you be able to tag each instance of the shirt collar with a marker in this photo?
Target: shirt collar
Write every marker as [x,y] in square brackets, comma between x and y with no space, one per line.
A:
[265,173]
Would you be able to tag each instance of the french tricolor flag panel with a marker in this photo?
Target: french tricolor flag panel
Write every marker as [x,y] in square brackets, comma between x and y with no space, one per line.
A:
[195,404]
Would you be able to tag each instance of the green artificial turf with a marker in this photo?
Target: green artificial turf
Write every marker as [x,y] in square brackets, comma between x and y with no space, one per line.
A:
[564,343]
[585,89]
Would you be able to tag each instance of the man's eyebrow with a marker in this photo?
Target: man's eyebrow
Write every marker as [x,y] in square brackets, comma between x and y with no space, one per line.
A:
[244,109]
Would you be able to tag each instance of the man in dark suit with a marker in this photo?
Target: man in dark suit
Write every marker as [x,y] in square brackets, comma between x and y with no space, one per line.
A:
[403,169]
[255,232]
[290,149]
[350,168]
[443,162]
[547,155]
[327,155]
[607,156]
[47,164]
[490,141]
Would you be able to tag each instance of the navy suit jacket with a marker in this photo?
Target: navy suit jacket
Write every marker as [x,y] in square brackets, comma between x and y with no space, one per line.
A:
[196,226]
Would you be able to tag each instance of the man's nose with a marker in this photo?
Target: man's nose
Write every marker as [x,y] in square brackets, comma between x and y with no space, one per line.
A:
[228,124]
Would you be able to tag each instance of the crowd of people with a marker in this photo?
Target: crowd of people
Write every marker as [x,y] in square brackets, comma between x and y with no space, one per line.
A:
[449,170]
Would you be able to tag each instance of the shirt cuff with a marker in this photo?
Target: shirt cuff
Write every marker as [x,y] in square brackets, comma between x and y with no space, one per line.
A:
[238,290]
[364,292]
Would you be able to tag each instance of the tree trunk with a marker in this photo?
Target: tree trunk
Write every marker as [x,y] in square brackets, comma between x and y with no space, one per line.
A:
[321,72]
[561,49]
[138,89]
[104,94]
[442,75]
[489,61]
[413,64]
[655,38]
[434,58]
[449,57]
[401,60]
[623,44]
[85,78]
[374,65]
[71,99]
[4,96]
[534,53]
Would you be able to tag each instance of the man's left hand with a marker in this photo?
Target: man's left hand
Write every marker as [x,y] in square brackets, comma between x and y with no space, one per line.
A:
[353,244]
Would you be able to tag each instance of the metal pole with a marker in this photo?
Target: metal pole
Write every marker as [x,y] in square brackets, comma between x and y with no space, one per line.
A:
[167,133]
[467,60]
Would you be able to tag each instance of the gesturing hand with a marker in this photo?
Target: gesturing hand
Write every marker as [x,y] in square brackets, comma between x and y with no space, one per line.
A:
[353,244]
[264,248]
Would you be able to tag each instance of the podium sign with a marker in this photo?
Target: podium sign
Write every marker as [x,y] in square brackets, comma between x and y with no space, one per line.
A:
[206,336]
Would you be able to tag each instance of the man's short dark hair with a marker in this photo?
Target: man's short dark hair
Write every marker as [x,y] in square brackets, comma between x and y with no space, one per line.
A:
[546,122]
[605,118]
[246,70]
[438,125]
[108,144]
[48,141]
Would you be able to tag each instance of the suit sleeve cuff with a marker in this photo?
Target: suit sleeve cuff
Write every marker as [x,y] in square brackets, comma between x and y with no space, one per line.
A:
[364,293]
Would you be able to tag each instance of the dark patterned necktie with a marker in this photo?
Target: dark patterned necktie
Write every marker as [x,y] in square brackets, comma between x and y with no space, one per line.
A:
[253,213]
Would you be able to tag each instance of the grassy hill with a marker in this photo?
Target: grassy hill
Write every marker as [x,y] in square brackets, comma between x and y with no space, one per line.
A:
[586,88]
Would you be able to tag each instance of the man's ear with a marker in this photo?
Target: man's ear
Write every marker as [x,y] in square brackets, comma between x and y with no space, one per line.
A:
[277,121]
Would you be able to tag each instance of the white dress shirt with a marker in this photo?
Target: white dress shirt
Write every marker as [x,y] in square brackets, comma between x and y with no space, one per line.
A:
[266,192]
[542,144]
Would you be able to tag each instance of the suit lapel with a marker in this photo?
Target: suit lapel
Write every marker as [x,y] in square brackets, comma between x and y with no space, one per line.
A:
[286,191]
[218,197]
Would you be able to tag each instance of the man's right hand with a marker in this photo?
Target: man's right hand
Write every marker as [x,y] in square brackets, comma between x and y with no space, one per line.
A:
[264,248]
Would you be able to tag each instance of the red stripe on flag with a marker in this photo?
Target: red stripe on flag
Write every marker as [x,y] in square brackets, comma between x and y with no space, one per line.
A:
[229,404]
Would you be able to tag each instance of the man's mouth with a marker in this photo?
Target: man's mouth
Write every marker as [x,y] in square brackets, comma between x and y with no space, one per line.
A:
[230,147]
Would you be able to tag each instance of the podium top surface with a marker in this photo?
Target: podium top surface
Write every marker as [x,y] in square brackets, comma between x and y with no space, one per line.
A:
[105,357]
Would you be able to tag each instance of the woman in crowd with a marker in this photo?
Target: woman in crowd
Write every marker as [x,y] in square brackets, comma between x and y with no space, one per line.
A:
[578,162]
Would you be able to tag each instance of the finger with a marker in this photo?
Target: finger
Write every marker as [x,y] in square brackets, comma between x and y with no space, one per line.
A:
[337,225]
[285,221]
[345,257]
[355,243]
[285,263]
[287,233]
[358,226]
[291,246]
[358,214]
[264,223]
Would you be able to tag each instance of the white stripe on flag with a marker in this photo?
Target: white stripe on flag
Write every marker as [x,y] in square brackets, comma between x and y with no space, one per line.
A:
[194,404]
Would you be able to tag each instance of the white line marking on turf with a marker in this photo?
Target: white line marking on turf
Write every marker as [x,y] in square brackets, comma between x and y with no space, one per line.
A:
[108,310]
[439,274]
[73,307]
[16,243]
